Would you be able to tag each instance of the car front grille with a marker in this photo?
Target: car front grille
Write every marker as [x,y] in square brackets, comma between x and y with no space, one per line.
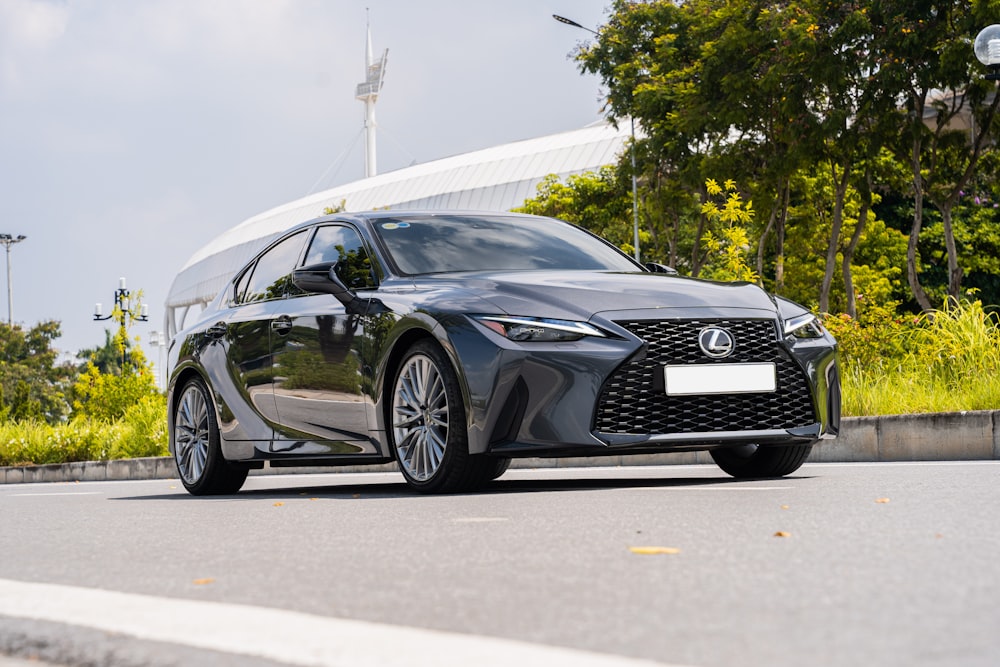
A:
[633,399]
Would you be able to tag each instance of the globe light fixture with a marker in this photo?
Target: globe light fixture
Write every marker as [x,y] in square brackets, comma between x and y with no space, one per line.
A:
[987,48]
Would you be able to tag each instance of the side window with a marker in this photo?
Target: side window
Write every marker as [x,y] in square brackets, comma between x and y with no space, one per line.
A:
[271,278]
[241,286]
[335,243]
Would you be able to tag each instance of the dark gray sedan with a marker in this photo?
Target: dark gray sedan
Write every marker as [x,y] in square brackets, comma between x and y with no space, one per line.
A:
[453,342]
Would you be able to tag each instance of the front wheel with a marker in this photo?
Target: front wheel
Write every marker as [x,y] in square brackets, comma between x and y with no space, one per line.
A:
[756,461]
[197,448]
[427,423]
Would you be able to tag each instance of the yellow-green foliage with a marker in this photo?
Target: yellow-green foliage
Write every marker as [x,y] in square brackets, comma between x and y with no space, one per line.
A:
[725,258]
[141,431]
[107,397]
[876,335]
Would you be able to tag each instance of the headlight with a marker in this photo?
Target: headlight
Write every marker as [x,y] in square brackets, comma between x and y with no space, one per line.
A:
[538,329]
[804,326]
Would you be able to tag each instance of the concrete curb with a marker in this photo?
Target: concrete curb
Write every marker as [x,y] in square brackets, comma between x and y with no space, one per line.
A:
[945,436]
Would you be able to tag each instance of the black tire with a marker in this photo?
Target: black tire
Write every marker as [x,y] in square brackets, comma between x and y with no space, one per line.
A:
[197,447]
[757,461]
[498,467]
[426,424]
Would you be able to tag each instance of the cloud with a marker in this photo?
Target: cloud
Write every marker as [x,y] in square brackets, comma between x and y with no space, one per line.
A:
[27,26]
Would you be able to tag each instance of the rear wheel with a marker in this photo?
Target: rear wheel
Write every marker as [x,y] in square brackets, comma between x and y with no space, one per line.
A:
[197,448]
[427,423]
[749,461]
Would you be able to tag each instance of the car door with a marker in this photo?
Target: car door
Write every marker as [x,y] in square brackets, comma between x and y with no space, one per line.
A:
[247,329]
[319,367]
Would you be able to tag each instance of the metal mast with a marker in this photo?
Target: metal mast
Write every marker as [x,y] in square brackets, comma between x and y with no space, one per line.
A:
[367,92]
[9,240]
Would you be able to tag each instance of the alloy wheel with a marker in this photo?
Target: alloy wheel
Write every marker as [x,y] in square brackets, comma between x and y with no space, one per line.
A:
[420,417]
[191,434]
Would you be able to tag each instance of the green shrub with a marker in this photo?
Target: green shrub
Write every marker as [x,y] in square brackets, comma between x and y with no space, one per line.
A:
[141,431]
[107,397]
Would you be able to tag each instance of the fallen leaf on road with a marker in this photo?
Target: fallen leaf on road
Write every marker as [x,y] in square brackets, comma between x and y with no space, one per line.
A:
[784,507]
[654,551]
[881,500]
[782,533]
[202,582]
[278,504]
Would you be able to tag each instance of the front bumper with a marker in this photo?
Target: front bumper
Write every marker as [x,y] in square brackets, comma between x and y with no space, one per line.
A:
[605,395]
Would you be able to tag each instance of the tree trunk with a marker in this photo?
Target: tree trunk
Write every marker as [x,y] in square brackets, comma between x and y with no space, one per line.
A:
[954,270]
[696,254]
[838,222]
[763,241]
[918,204]
[852,245]
[779,245]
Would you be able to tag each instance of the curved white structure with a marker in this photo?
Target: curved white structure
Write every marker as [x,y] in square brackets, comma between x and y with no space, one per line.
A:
[494,179]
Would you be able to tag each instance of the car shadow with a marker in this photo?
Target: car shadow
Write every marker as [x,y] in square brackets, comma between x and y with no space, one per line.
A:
[390,490]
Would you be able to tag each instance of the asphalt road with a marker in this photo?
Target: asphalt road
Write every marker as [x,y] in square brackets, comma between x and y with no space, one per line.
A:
[841,564]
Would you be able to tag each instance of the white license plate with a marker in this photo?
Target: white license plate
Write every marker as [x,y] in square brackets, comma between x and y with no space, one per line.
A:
[693,379]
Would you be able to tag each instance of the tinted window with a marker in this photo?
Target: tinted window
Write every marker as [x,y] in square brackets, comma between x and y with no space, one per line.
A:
[443,244]
[272,276]
[343,245]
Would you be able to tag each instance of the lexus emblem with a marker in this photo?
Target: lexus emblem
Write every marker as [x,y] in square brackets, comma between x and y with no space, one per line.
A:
[716,342]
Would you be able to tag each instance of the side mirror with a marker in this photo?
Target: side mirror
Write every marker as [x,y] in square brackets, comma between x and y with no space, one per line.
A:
[653,267]
[323,278]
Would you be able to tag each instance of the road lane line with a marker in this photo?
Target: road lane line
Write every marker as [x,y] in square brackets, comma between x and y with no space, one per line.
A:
[289,637]
[55,493]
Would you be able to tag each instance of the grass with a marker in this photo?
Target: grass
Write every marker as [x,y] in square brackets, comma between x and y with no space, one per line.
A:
[869,391]
[946,360]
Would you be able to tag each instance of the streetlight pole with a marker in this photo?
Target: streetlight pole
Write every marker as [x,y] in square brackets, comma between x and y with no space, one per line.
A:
[635,187]
[9,240]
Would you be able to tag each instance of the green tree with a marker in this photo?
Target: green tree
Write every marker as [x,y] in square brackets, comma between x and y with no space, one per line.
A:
[763,90]
[597,201]
[33,383]
[921,54]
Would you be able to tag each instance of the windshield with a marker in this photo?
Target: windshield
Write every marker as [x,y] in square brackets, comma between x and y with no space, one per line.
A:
[449,243]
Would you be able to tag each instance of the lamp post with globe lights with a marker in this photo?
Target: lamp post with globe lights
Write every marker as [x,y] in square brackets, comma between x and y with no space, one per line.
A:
[124,313]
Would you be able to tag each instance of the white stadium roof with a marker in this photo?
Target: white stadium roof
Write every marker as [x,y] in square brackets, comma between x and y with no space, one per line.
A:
[493,179]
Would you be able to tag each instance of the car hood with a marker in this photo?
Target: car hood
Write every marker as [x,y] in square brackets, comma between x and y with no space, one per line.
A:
[581,294]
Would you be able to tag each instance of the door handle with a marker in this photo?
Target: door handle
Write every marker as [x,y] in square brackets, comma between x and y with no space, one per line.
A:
[282,325]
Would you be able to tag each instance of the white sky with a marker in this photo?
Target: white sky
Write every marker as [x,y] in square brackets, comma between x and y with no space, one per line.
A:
[132,132]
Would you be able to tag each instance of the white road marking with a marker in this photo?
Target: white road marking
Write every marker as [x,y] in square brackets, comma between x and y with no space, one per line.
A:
[289,637]
[56,493]
[654,487]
